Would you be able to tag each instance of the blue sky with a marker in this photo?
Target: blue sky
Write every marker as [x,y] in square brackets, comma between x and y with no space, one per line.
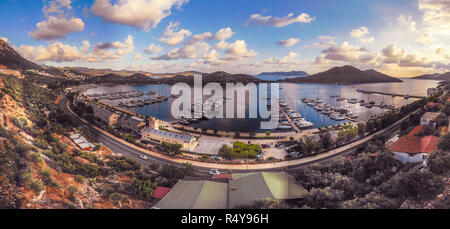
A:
[401,38]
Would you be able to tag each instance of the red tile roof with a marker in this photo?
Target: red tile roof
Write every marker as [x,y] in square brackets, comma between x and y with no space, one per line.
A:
[160,192]
[433,104]
[415,144]
[416,130]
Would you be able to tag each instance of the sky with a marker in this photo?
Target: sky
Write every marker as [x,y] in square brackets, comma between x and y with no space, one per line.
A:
[402,38]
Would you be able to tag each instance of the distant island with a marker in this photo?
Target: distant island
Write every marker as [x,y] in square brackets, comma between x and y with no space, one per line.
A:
[437,76]
[344,75]
[292,73]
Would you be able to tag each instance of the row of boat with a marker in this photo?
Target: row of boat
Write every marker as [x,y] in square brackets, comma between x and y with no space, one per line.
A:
[142,102]
[119,95]
[295,117]
[334,113]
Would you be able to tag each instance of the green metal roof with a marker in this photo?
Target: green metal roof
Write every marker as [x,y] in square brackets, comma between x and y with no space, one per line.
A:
[251,187]
[248,188]
[195,195]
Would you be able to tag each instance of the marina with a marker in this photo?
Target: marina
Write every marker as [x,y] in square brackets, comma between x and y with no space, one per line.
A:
[321,105]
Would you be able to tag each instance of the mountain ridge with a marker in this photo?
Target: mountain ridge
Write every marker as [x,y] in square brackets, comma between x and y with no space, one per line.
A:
[344,75]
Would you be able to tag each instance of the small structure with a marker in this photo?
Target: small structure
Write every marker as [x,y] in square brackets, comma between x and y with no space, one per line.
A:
[160,192]
[195,195]
[412,148]
[237,190]
[428,119]
[106,116]
[149,134]
[153,123]
[132,123]
[81,142]
[431,91]
[246,188]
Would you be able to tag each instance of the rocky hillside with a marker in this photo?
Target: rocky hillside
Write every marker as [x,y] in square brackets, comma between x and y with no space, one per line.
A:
[40,167]
[445,76]
[11,60]
[345,75]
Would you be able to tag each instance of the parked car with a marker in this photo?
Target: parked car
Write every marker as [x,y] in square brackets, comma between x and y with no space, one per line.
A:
[214,171]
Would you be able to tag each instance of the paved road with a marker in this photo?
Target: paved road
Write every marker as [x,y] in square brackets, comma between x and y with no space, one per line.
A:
[131,152]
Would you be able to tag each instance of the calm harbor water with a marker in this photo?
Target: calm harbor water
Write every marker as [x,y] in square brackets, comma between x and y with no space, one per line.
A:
[292,94]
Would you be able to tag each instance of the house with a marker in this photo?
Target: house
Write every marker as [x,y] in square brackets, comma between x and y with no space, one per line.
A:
[81,142]
[240,189]
[412,148]
[132,123]
[106,116]
[428,119]
[153,123]
[160,136]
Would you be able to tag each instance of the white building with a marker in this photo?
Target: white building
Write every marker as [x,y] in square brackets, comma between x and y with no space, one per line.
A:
[428,118]
[149,134]
[412,148]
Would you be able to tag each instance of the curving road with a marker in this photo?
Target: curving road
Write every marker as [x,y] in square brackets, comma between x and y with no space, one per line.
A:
[126,150]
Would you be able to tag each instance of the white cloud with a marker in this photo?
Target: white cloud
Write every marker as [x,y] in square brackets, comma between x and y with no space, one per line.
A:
[56,52]
[425,39]
[138,13]
[221,45]
[289,42]
[153,49]
[344,52]
[138,56]
[173,38]
[112,50]
[189,50]
[326,41]
[223,34]
[59,25]
[86,46]
[357,33]
[258,19]
[394,55]
[436,13]
[408,22]
[54,27]
[57,6]
[238,51]
[199,37]
[368,40]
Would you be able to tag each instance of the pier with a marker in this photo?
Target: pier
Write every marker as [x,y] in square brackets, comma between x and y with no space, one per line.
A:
[290,121]
[391,94]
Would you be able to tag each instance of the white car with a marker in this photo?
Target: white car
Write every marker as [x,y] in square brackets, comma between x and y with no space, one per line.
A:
[143,157]
[214,171]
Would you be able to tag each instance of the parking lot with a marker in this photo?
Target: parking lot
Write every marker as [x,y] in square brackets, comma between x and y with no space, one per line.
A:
[211,146]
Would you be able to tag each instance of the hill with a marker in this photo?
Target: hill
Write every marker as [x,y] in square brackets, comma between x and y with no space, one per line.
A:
[111,78]
[100,72]
[13,60]
[344,75]
[139,78]
[292,73]
[445,76]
